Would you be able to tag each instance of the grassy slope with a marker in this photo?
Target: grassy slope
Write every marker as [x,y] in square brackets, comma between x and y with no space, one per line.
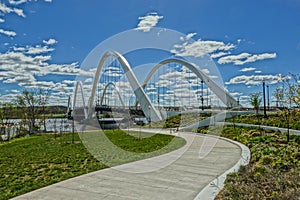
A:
[34,162]
[278,119]
[274,169]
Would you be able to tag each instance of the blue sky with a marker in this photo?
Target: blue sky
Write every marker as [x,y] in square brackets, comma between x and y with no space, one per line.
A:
[44,42]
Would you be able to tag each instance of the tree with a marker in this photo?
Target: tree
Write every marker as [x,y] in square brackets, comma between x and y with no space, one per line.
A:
[255,101]
[289,91]
[288,95]
[42,96]
[7,113]
[31,103]
[295,89]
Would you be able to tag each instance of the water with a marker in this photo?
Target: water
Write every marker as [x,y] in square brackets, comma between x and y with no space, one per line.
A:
[52,125]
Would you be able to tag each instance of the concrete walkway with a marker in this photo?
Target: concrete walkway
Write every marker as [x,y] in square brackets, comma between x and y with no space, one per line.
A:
[184,178]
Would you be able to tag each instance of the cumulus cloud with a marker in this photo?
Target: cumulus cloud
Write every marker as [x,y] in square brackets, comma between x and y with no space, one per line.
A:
[200,47]
[247,69]
[8,97]
[190,35]
[148,22]
[244,58]
[51,41]
[219,54]
[254,79]
[69,82]
[8,33]
[14,2]
[25,64]
[18,2]
[34,50]
[111,71]
[4,9]
[88,80]
[89,72]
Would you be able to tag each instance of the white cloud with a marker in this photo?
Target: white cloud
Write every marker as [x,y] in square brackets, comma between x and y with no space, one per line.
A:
[90,72]
[2,20]
[20,78]
[18,2]
[19,12]
[245,58]
[258,71]
[236,94]
[8,33]
[171,75]
[164,83]
[14,2]
[247,69]
[5,9]
[219,54]
[22,69]
[254,79]
[7,97]
[69,82]
[88,80]
[236,59]
[190,35]
[38,50]
[15,91]
[51,41]
[34,50]
[200,48]
[63,69]
[148,22]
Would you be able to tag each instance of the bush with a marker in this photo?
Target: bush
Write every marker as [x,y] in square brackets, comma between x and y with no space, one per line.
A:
[273,171]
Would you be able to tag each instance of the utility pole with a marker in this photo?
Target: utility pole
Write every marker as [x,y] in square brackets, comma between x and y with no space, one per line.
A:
[264,98]
[268,97]
[202,97]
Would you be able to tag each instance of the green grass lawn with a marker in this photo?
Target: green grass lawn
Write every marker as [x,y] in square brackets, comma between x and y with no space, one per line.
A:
[36,161]
[274,169]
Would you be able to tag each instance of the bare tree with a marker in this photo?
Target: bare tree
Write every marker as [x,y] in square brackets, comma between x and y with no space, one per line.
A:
[289,91]
[43,97]
[288,94]
[31,103]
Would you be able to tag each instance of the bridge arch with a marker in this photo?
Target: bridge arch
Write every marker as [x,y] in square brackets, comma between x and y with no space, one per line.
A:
[146,104]
[117,90]
[77,87]
[220,92]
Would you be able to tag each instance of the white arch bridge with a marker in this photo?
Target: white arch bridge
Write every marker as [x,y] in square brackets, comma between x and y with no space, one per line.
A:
[111,59]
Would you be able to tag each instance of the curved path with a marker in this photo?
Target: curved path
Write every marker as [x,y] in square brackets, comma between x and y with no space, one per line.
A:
[187,178]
